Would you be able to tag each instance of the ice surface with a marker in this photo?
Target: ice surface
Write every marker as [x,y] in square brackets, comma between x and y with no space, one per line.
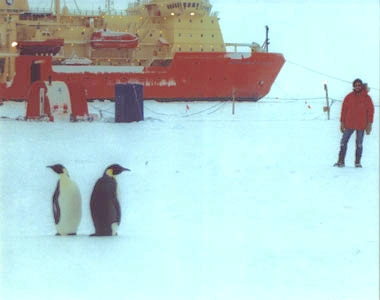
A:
[217,206]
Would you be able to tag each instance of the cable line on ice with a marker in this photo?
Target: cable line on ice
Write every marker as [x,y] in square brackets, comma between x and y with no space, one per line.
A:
[324,74]
[210,110]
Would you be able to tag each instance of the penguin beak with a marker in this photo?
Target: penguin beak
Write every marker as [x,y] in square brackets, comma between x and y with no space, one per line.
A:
[120,170]
[51,167]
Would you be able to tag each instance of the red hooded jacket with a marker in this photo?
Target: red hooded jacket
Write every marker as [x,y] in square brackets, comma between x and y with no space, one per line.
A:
[357,111]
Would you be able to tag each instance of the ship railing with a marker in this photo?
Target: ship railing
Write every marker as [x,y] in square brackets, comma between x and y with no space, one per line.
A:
[76,12]
[254,47]
[11,11]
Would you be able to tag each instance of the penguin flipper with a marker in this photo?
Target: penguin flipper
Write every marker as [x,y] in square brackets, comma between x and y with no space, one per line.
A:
[56,209]
[116,203]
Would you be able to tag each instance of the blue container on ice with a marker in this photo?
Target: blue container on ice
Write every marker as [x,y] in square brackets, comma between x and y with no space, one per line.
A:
[129,104]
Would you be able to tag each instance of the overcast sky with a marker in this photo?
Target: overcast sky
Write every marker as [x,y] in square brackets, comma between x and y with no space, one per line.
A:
[339,39]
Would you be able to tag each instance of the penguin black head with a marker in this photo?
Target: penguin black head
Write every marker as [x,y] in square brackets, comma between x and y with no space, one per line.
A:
[115,169]
[58,168]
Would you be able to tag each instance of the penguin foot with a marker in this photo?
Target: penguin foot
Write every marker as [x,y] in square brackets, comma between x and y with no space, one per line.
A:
[100,234]
[71,234]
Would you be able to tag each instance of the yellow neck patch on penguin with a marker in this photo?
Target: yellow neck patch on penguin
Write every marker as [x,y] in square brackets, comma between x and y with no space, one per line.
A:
[109,172]
[64,174]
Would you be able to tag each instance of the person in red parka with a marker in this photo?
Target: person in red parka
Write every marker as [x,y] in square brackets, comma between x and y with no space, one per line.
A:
[356,115]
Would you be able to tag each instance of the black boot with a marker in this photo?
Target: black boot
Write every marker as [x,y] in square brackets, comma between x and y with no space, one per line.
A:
[358,156]
[357,163]
[340,163]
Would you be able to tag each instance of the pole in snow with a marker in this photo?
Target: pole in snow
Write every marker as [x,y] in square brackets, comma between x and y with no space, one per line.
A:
[233,101]
[327,107]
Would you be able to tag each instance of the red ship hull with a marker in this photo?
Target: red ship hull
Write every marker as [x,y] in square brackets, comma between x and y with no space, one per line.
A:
[189,76]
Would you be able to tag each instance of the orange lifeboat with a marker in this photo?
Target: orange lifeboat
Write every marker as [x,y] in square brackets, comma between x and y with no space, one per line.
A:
[111,39]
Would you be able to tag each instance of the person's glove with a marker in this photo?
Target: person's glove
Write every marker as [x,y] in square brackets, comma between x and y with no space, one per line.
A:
[368,128]
[341,127]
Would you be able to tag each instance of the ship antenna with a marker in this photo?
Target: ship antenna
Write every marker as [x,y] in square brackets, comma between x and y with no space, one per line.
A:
[266,43]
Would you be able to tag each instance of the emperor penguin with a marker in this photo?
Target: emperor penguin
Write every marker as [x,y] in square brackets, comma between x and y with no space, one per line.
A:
[104,204]
[67,203]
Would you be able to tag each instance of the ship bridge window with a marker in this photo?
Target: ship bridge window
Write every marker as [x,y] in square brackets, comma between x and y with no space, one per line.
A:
[174,5]
[189,4]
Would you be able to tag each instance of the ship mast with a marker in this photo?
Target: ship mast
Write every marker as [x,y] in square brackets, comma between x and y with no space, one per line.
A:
[57,7]
[109,6]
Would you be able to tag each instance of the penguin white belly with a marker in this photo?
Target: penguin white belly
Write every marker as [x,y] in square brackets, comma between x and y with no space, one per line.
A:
[70,204]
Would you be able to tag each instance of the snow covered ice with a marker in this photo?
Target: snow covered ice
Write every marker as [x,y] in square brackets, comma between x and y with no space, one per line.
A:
[217,206]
